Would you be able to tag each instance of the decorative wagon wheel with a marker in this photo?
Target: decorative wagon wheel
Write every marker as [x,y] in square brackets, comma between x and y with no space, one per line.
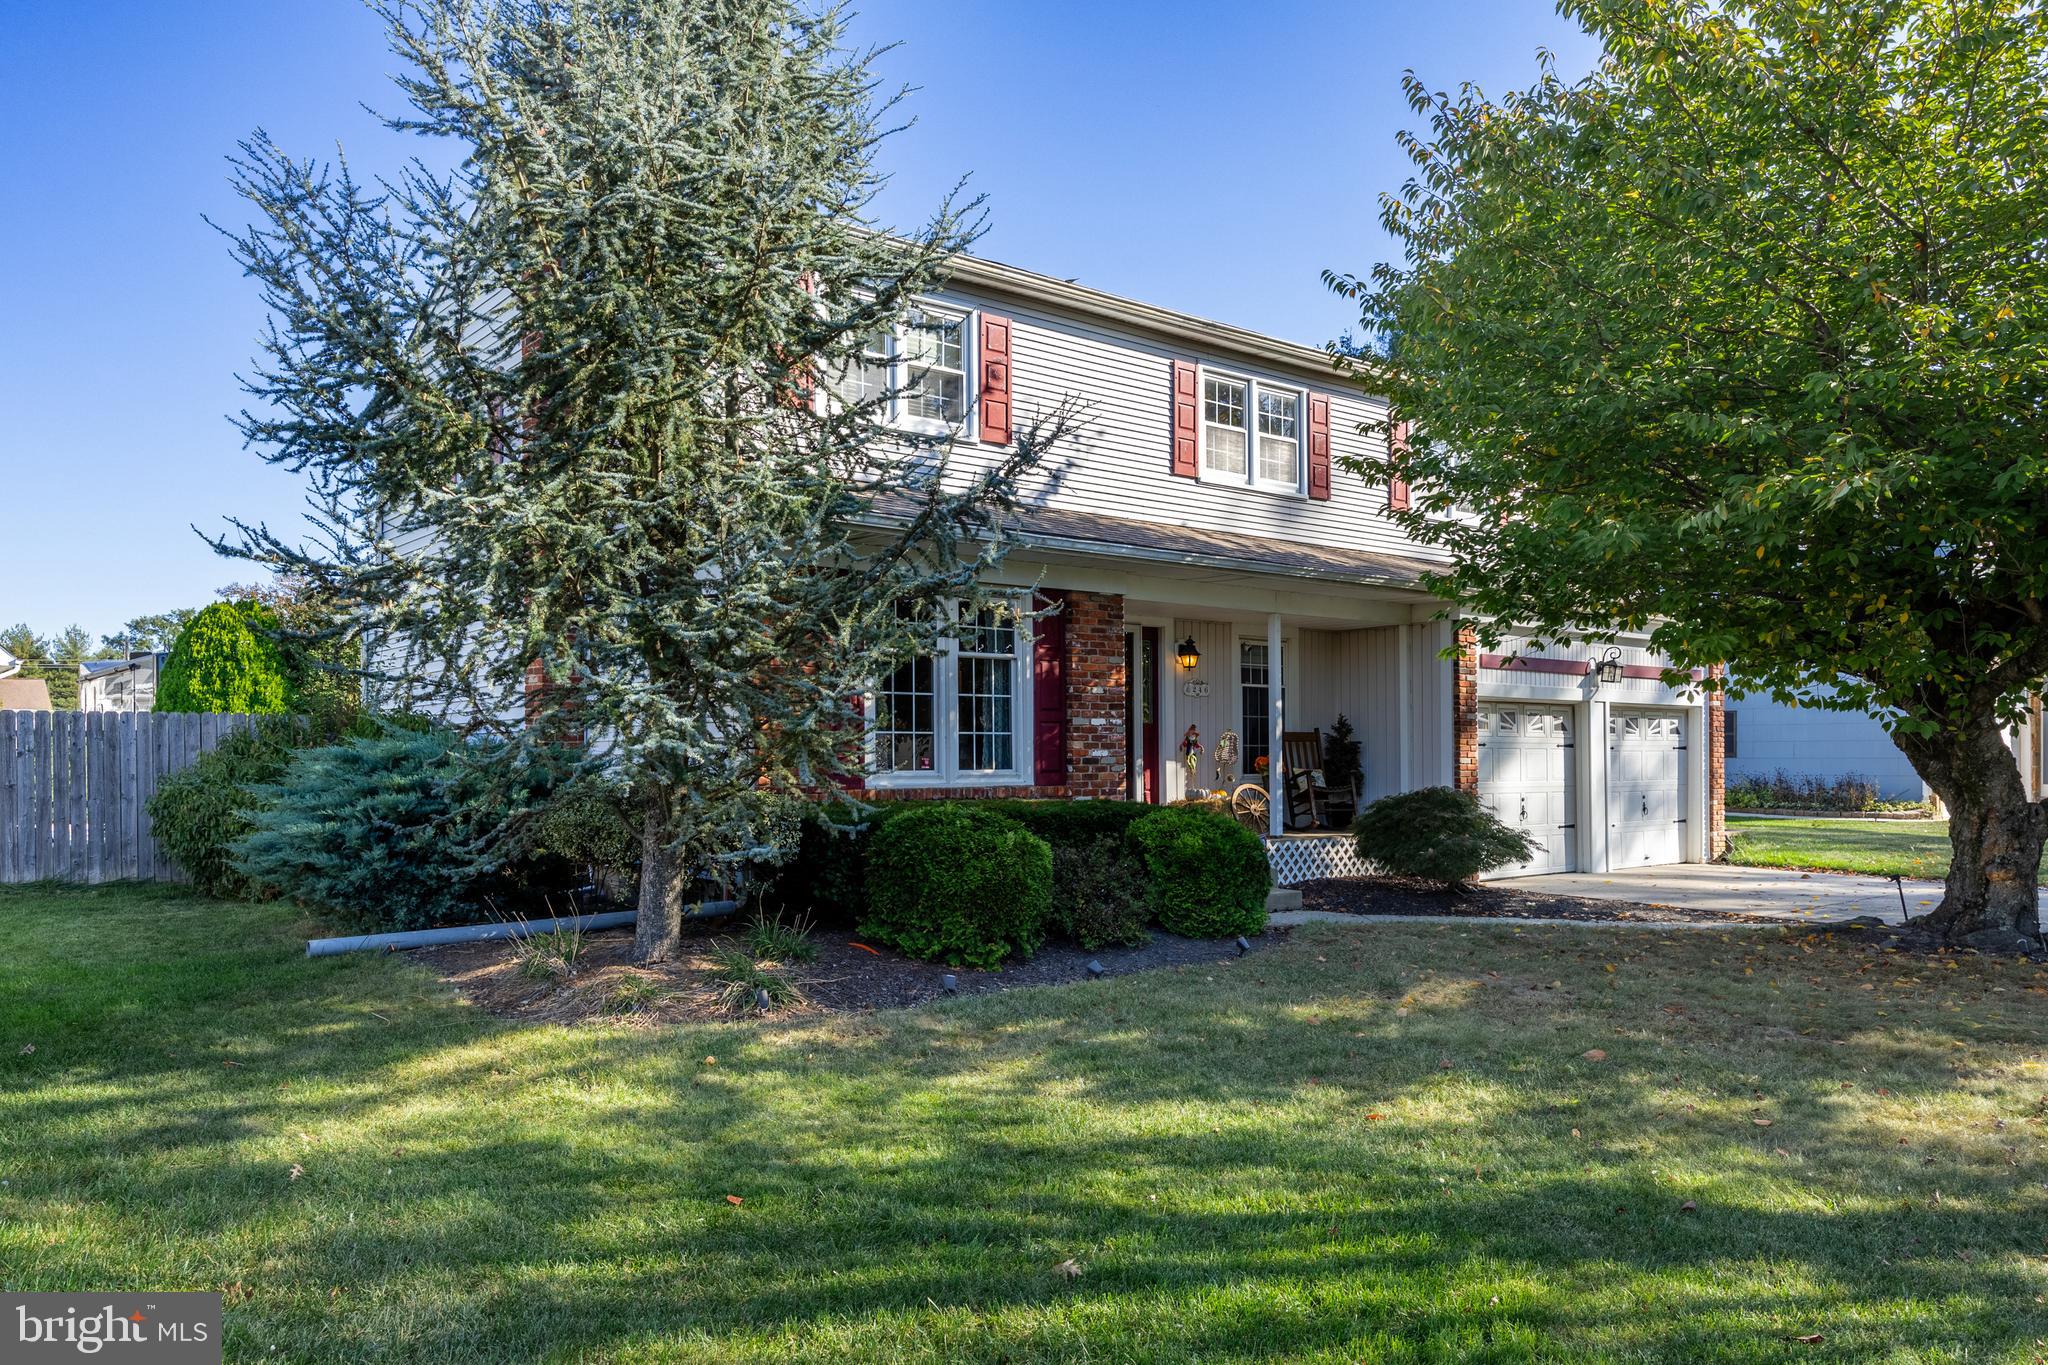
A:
[1250,806]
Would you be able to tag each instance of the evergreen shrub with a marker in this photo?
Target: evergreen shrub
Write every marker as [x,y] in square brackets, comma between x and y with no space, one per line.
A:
[952,883]
[1437,834]
[1207,876]
[225,660]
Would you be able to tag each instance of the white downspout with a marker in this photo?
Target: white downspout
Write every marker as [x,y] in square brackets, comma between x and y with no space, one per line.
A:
[1276,719]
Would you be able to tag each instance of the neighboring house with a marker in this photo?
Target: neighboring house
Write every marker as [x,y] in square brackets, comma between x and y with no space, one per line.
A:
[1766,737]
[1201,512]
[120,684]
[9,665]
[24,694]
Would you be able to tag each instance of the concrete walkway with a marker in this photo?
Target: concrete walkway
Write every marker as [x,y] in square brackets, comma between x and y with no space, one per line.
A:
[1285,918]
[1793,896]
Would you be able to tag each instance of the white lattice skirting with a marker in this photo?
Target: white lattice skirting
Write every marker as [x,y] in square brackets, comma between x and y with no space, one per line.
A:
[1307,858]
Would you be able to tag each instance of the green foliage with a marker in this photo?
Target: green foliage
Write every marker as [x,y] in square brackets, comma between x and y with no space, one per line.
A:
[1438,835]
[1098,893]
[405,831]
[1340,755]
[590,826]
[772,939]
[1207,874]
[1783,791]
[739,976]
[554,956]
[155,631]
[226,659]
[952,883]
[688,550]
[1071,824]
[1742,341]
[200,813]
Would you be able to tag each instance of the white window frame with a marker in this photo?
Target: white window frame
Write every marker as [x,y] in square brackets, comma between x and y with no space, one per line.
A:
[896,374]
[1253,386]
[946,770]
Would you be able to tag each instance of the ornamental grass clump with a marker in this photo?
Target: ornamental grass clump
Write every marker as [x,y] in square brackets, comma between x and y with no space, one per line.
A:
[1437,835]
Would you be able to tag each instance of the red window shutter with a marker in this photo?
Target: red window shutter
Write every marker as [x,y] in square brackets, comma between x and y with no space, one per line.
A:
[1185,400]
[1397,488]
[1049,694]
[855,779]
[1319,446]
[995,379]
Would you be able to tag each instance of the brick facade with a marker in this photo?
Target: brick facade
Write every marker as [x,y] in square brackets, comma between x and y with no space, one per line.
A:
[1465,711]
[1717,770]
[1097,697]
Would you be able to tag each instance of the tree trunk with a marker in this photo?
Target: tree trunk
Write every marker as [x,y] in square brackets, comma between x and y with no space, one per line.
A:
[663,886]
[1995,835]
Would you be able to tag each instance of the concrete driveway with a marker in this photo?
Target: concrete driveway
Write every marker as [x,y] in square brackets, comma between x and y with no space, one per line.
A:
[1771,891]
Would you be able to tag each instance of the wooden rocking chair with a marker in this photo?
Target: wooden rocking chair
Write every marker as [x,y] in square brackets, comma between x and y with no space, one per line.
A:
[1308,790]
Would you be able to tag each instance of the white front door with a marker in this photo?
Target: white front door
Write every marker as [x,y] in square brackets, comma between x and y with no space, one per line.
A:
[1528,778]
[1645,787]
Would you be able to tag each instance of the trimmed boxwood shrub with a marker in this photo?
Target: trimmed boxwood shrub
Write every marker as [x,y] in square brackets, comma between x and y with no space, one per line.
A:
[1438,835]
[199,813]
[1072,824]
[1207,874]
[951,883]
[1098,893]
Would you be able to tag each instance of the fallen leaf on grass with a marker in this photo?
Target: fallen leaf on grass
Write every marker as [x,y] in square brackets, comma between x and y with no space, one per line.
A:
[28,1049]
[296,1171]
[1375,1116]
[1069,1269]
[1688,1207]
[734,1200]
[1575,1132]
[1594,1054]
[1810,1339]
[1761,1123]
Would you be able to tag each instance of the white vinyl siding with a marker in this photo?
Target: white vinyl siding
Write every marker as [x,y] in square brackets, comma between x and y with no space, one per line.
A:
[1118,459]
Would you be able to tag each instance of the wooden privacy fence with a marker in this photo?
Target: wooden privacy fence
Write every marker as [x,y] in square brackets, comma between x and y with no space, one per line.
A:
[73,785]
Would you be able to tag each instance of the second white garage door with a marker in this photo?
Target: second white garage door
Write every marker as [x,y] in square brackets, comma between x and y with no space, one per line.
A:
[1645,787]
[1528,778]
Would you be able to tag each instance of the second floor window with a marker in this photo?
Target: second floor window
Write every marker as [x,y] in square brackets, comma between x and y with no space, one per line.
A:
[922,366]
[1232,450]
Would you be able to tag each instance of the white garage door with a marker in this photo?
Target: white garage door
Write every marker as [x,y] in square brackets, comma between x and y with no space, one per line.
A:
[1645,787]
[1528,778]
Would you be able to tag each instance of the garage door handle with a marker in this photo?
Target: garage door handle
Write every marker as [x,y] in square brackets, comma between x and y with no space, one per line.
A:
[1646,805]
[1525,810]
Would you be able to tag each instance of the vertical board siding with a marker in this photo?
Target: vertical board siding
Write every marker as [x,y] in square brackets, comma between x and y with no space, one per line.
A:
[74,784]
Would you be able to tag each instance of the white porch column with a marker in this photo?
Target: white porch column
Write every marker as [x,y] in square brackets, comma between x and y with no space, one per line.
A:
[1276,719]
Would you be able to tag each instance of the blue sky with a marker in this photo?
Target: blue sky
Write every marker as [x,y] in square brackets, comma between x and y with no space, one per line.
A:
[1208,157]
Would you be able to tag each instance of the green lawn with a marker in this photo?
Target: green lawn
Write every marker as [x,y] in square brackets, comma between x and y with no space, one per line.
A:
[1884,848]
[1377,1142]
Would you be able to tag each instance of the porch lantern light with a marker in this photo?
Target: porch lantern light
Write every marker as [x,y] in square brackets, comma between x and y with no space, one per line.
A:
[1608,670]
[1187,655]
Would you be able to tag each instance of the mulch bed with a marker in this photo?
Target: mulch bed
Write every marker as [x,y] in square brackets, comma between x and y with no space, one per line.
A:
[1400,896]
[607,984]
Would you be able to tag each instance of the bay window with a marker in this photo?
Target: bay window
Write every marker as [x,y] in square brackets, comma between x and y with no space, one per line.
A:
[956,716]
[1233,451]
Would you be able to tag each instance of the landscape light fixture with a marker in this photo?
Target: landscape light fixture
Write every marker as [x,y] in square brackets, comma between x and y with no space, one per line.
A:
[1187,655]
[1608,670]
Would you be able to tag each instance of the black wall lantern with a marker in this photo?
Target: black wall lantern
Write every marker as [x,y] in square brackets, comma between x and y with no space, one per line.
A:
[1608,670]
[1187,655]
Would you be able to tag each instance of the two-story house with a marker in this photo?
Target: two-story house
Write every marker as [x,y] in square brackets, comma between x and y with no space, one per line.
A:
[1217,570]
